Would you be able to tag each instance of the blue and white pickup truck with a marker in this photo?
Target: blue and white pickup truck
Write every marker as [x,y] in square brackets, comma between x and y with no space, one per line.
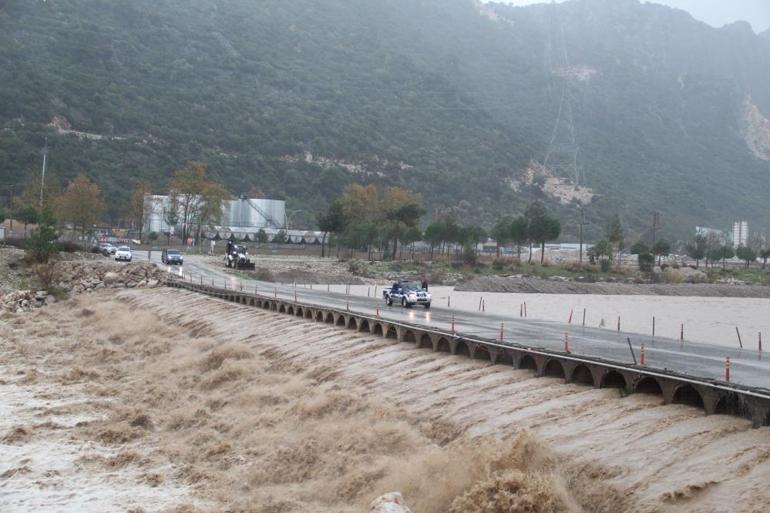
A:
[408,293]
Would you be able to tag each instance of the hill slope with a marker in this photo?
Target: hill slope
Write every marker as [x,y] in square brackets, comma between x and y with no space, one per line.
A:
[640,105]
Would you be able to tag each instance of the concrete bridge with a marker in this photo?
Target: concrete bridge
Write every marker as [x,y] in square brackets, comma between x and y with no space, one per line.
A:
[715,397]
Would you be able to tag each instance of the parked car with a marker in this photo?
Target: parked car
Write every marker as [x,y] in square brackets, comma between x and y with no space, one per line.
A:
[107,249]
[171,257]
[408,293]
[123,253]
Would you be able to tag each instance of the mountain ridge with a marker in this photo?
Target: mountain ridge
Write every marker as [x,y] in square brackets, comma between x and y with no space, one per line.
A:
[455,99]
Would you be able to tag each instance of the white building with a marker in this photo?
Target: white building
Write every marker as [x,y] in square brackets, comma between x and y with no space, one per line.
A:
[243,215]
[740,233]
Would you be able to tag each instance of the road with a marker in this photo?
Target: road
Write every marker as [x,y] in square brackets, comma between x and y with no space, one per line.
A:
[748,367]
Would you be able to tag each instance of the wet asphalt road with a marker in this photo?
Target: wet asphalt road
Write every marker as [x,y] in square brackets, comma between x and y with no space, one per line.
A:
[748,367]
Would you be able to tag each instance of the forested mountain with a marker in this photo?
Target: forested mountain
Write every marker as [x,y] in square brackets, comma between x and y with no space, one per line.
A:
[627,107]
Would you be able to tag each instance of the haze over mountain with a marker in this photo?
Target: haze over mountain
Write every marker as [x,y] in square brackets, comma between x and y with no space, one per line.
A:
[624,106]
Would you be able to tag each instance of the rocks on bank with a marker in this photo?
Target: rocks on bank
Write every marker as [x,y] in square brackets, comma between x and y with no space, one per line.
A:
[78,277]
[389,503]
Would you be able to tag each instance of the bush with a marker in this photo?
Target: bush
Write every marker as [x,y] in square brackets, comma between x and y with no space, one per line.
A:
[469,256]
[68,246]
[47,274]
[263,274]
[646,262]
[670,276]
[605,266]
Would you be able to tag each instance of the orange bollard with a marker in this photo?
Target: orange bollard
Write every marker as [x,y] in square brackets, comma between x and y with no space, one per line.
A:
[618,324]
[727,369]
[641,355]
[570,317]
[759,342]
[483,305]
[347,306]
[521,310]
[681,333]
[378,312]
[566,342]
[453,325]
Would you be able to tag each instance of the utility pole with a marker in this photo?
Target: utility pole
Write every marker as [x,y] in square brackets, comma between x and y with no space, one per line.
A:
[655,223]
[42,178]
[582,222]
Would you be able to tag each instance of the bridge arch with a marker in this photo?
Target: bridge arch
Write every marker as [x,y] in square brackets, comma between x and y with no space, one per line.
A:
[290,310]
[505,358]
[425,341]
[482,353]
[443,346]
[377,330]
[299,312]
[648,385]
[341,321]
[392,333]
[319,316]
[329,318]
[364,326]
[687,394]
[462,348]
[266,305]
[613,379]
[282,308]
[308,314]
[528,362]
[352,323]
[582,375]
[409,336]
[554,369]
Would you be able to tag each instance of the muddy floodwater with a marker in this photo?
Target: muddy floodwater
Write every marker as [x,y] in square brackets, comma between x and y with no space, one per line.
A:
[709,320]
[165,400]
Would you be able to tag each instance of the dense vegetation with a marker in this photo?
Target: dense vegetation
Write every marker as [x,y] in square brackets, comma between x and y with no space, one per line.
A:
[428,95]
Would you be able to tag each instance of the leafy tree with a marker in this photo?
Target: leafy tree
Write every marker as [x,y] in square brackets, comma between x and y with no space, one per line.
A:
[262,236]
[747,254]
[721,252]
[764,255]
[137,209]
[3,215]
[171,215]
[153,236]
[535,215]
[541,228]
[615,234]
[518,233]
[26,215]
[41,245]
[646,261]
[696,248]
[639,248]
[81,204]
[601,250]
[199,199]
[280,237]
[331,221]
[660,249]
[501,232]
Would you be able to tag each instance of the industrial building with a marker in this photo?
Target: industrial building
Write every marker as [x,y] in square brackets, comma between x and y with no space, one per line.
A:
[240,217]
[740,233]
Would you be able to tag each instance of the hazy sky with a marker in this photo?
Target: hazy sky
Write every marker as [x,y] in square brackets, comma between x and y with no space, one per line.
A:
[713,12]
